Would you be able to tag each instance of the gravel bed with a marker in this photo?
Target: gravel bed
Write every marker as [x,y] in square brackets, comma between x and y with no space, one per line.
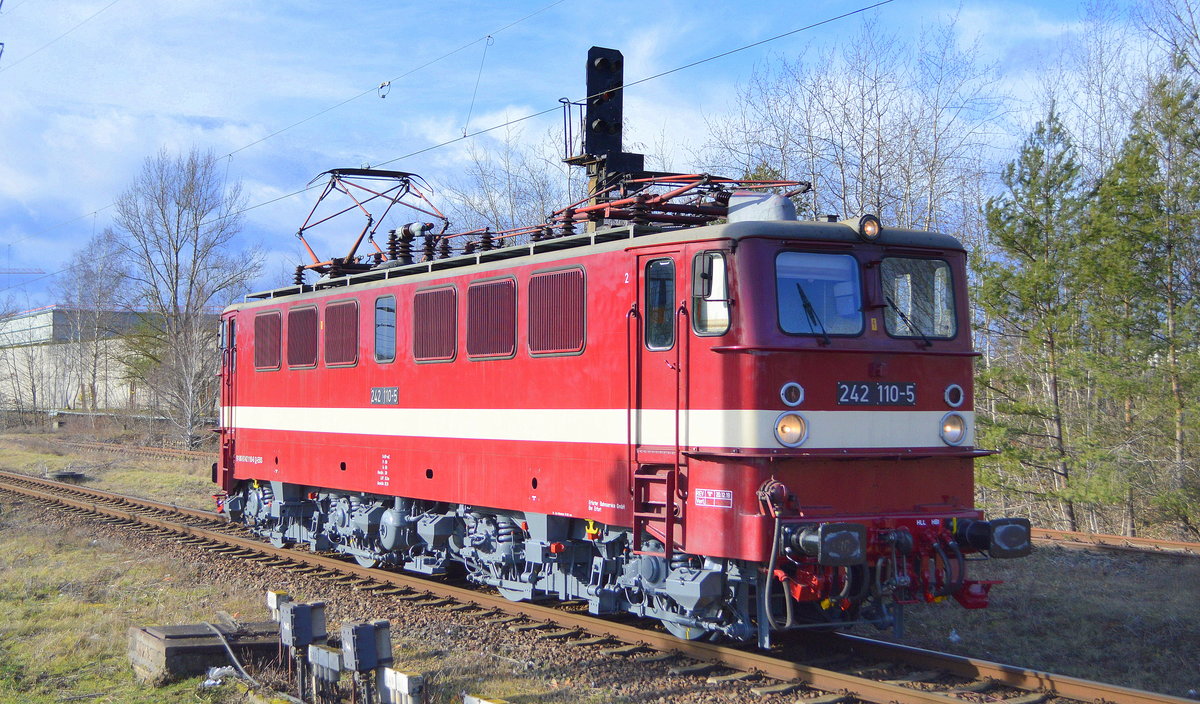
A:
[456,652]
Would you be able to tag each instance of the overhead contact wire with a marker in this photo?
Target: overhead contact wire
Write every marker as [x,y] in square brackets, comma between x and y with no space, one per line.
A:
[397,78]
[38,50]
[509,122]
[307,119]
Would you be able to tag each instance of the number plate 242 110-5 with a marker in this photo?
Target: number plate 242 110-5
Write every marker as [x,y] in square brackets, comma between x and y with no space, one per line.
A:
[877,393]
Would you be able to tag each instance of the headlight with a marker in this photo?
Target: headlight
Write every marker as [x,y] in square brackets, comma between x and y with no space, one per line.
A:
[790,429]
[866,227]
[954,396]
[954,429]
[869,228]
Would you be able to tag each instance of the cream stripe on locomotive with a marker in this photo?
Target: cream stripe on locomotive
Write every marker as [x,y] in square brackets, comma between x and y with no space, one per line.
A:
[698,428]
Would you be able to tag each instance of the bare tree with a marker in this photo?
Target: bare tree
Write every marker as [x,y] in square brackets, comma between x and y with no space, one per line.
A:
[1176,24]
[1107,79]
[176,227]
[900,132]
[93,303]
[512,185]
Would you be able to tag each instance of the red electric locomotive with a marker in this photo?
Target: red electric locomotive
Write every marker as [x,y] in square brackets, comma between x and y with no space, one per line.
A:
[674,399]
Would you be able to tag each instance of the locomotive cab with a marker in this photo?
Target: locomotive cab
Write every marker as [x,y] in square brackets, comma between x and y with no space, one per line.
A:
[856,352]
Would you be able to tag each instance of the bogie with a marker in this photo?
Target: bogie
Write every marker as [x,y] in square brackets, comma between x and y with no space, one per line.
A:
[524,556]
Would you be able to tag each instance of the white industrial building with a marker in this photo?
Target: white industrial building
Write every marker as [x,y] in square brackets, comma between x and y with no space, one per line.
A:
[57,357]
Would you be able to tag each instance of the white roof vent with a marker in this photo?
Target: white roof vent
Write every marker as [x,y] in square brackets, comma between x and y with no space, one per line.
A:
[745,206]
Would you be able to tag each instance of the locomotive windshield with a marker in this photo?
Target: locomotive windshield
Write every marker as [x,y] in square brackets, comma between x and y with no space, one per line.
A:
[920,298]
[818,294]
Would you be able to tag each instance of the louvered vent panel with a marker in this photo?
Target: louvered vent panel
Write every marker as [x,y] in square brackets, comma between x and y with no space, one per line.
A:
[267,332]
[302,337]
[435,322]
[341,333]
[492,319]
[556,312]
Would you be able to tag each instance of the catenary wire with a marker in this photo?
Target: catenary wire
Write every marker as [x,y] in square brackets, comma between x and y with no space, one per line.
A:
[38,50]
[397,78]
[640,80]
[518,119]
[307,119]
[475,92]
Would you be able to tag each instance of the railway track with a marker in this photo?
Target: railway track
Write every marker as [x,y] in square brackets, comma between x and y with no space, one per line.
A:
[1071,539]
[140,451]
[893,673]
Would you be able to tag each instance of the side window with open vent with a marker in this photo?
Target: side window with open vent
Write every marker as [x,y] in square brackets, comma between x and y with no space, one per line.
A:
[492,319]
[435,325]
[302,337]
[556,312]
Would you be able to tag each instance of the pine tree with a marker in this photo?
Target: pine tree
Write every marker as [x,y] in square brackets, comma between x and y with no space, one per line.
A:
[1165,140]
[1028,292]
[1123,212]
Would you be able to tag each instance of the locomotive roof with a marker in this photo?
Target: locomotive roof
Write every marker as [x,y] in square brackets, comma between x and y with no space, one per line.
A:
[602,240]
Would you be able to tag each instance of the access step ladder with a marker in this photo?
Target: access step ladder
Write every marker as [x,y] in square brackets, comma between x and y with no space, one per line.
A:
[654,508]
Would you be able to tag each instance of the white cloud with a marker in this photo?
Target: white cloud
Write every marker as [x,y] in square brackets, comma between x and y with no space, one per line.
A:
[77,119]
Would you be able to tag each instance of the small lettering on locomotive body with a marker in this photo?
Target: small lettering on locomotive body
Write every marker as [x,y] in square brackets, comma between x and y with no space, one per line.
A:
[382,478]
[250,459]
[714,498]
[385,395]
[597,506]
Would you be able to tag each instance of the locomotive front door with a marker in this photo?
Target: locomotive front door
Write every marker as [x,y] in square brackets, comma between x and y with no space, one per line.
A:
[227,403]
[658,382]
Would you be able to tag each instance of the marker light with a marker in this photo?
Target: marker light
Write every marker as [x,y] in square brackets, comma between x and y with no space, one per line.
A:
[790,429]
[792,394]
[954,429]
[954,396]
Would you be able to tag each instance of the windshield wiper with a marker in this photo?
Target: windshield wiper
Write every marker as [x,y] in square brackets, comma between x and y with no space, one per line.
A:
[813,321]
[907,322]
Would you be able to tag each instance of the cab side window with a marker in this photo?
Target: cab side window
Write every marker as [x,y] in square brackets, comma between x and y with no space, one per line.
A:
[710,294]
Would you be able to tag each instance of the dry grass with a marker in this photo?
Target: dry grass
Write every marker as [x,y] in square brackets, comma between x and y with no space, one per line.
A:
[1113,617]
[169,481]
[31,455]
[181,483]
[66,601]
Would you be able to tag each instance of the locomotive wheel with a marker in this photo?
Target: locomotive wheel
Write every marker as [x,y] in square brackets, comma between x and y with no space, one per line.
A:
[366,561]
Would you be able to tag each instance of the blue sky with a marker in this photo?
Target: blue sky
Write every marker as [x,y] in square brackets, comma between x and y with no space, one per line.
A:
[79,114]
